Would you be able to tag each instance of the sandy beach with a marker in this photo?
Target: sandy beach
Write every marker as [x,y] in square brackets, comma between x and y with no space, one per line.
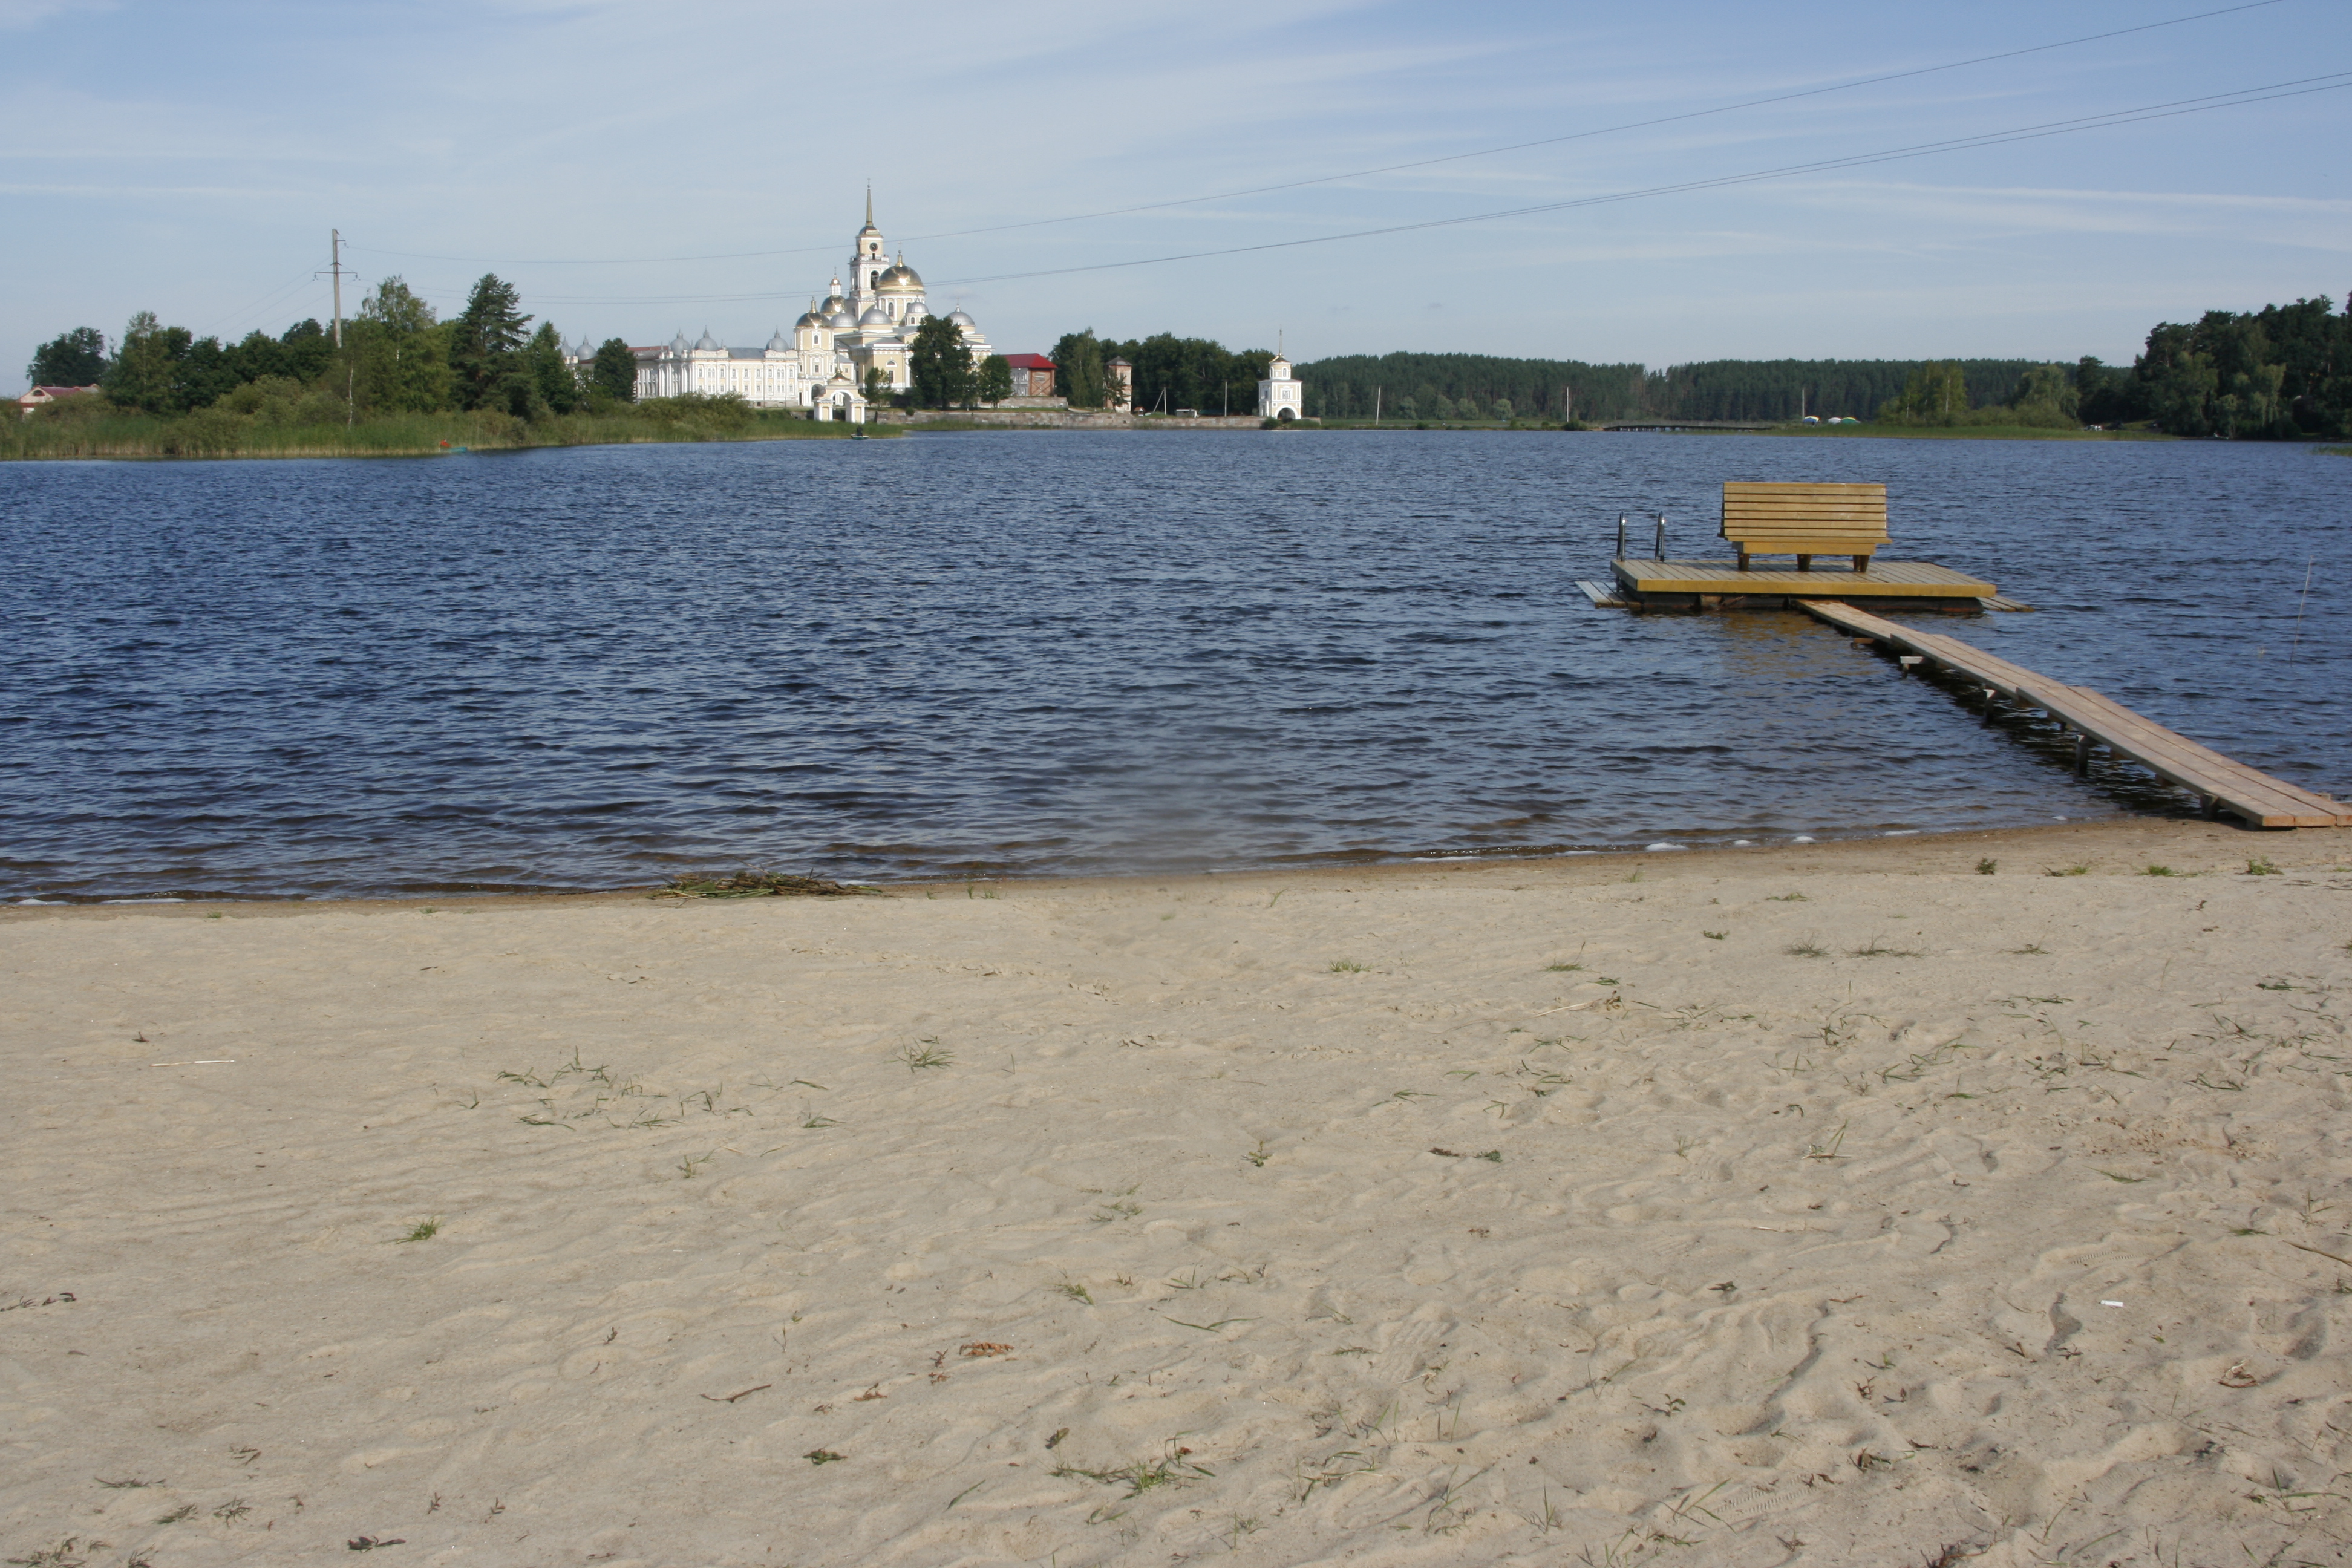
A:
[1829,1203]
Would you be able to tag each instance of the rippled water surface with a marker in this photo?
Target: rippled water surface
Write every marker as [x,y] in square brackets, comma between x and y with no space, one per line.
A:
[1061,652]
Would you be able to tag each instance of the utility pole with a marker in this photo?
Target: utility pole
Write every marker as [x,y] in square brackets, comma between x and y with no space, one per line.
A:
[335,241]
[1376,406]
[337,272]
[351,374]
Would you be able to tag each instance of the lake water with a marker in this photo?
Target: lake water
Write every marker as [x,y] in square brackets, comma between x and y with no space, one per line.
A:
[1022,653]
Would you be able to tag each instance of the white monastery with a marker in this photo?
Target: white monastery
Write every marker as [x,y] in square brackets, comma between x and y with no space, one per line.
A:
[869,330]
[823,366]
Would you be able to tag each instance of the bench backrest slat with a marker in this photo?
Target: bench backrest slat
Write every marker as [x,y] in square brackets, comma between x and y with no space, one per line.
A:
[1784,518]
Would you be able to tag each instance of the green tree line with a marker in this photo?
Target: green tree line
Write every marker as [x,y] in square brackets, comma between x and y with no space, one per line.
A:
[1417,387]
[2279,373]
[2282,373]
[396,357]
[1168,372]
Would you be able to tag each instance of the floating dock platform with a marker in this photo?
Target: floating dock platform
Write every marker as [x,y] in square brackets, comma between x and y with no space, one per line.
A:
[1653,585]
[2222,784]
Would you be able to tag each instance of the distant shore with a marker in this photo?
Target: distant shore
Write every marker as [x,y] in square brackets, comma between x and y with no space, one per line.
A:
[1967,433]
[203,435]
[1843,432]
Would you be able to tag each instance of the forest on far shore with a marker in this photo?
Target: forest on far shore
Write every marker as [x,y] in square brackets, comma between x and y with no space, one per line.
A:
[2283,373]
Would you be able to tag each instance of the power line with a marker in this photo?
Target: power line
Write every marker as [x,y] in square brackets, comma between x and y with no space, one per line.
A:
[1357,173]
[2297,87]
[1607,130]
[247,311]
[1959,144]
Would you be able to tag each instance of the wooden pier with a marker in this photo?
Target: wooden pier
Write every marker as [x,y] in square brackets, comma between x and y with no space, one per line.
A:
[1721,584]
[2221,784]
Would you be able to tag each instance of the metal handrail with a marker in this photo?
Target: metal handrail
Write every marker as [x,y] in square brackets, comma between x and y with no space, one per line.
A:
[1661,546]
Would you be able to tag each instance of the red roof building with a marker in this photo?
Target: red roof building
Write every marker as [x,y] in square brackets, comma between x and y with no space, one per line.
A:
[1033,376]
[42,395]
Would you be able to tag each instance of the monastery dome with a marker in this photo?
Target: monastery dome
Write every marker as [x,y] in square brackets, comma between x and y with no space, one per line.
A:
[900,277]
[679,346]
[874,316]
[839,319]
[808,318]
[960,320]
[707,342]
[777,343]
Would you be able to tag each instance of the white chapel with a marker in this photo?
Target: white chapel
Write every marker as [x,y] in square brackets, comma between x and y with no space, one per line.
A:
[822,365]
[1281,395]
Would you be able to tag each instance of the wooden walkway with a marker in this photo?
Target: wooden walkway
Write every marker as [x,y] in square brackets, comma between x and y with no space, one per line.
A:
[1665,425]
[2222,784]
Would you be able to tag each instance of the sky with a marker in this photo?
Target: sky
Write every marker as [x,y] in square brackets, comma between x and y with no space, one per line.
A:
[638,169]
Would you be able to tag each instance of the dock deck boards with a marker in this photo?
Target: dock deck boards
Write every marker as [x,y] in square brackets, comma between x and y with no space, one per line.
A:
[2224,783]
[1885,579]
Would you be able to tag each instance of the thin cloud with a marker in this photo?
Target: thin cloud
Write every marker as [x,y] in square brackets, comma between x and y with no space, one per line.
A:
[33,13]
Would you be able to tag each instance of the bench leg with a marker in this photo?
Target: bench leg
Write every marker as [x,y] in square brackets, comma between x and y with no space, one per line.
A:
[1804,562]
[1743,561]
[1862,562]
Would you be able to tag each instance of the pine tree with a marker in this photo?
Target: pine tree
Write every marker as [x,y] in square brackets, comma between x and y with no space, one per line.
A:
[614,372]
[552,384]
[486,347]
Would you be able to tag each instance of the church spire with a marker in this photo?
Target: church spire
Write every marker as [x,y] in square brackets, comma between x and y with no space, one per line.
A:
[869,204]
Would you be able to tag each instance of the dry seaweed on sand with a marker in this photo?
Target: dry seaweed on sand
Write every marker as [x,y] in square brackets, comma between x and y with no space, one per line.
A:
[750,884]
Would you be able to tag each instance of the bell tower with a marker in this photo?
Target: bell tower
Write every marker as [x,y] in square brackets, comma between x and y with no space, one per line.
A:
[871,260]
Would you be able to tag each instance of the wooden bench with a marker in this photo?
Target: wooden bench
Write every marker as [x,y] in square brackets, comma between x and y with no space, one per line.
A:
[1804,521]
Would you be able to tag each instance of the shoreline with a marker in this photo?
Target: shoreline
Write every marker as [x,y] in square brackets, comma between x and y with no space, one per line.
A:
[152,450]
[144,453]
[2111,837]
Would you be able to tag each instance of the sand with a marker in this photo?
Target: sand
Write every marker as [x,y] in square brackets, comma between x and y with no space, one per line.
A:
[1548,1211]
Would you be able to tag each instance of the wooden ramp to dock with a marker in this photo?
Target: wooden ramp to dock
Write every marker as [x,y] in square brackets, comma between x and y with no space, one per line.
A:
[2222,784]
